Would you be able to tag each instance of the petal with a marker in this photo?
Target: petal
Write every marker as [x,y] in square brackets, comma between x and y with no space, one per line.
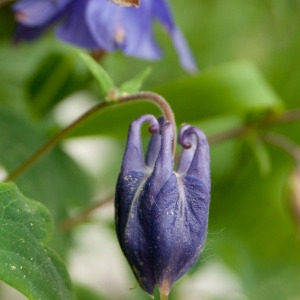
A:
[200,165]
[129,194]
[133,157]
[38,12]
[163,167]
[178,228]
[188,151]
[130,233]
[101,18]
[186,57]
[125,28]
[28,33]
[161,173]
[74,29]
[161,10]
[137,24]
[154,146]
[24,32]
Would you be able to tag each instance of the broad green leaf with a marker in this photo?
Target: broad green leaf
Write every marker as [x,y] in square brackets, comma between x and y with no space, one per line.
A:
[234,89]
[252,229]
[17,65]
[136,83]
[87,293]
[54,179]
[26,263]
[104,81]
[58,75]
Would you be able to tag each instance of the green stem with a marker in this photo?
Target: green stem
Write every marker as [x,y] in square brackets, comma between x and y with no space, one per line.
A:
[50,143]
[285,144]
[163,297]
[158,100]
[71,222]
[161,103]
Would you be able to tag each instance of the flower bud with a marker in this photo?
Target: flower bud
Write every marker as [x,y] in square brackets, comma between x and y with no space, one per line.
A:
[161,215]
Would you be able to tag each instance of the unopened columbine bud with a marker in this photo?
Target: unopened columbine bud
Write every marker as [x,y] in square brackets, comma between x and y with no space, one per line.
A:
[161,215]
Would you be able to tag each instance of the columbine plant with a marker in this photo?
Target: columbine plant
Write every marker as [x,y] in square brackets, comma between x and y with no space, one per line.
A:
[161,215]
[101,25]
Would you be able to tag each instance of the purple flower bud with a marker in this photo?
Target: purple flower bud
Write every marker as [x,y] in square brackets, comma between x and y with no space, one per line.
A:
[100,24]
[161,215]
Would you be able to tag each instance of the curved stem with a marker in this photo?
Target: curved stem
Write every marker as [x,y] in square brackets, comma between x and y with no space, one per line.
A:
[161,103]
[51,142]
[158,100]
[71,222]
[228,134]
[287,117]
[283,143]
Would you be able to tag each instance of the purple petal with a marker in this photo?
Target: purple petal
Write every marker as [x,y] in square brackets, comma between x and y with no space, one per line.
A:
[164,163]
[130,233]
[154,146]
[188,151]
[38,12]
[162,12]
[137,24]
[133,157]
[28,33]
[200,164]
[125,28]
[74,29]
[186,57]
[102,18]
[177,227]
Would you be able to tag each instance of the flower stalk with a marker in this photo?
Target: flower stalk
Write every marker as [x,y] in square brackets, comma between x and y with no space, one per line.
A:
[149,96]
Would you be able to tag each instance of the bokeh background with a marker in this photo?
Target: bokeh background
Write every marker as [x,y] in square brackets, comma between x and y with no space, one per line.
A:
[249,71]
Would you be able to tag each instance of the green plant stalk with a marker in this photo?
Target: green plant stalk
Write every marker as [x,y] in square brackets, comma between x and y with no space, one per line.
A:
[149,96]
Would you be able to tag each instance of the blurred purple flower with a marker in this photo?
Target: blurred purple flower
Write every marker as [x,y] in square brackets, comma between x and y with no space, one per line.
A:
[100,24]
[162,215]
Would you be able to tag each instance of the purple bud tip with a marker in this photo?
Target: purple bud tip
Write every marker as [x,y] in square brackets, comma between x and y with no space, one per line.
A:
[153,129]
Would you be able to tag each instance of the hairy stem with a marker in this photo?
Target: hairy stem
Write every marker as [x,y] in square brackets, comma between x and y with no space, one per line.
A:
[161,103]
[53,141]
[152,97]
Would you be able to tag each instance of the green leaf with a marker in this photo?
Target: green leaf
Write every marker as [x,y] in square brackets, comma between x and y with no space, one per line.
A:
[26,263]
[234,89]
[135,83]
[58,75]
[104,81]
[260,153]
[54,179]
[87,293]
[251,212]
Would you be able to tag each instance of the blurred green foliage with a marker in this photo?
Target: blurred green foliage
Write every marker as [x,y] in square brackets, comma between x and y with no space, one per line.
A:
[248,56]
